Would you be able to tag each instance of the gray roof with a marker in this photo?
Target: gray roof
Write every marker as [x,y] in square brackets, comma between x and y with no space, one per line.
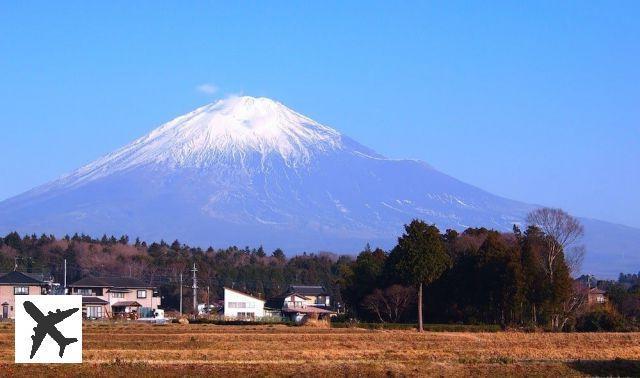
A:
[93,301]
[121,282]
[307,290]
[19,278]
[126,304]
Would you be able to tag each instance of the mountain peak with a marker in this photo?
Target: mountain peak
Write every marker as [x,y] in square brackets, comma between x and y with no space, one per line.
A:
[246,106]
[232,129]
[240,126]
[249,171]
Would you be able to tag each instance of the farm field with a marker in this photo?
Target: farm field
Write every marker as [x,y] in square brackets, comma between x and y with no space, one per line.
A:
[204,350]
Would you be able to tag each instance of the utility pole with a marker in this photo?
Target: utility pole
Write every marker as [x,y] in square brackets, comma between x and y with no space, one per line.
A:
[195,289]
[180,293]
[65,276]
[15,263]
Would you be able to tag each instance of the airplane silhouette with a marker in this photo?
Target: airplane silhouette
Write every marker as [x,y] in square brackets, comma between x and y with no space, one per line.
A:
[47,325]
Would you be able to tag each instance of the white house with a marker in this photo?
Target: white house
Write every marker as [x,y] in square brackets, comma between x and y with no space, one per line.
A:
[239,305]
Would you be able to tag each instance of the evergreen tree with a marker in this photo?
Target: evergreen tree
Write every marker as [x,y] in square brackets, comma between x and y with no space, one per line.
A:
[278,254]
[501,278]
[420,258]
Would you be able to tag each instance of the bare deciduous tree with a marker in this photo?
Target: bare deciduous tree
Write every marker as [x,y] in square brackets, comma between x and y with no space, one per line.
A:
[389,304]
[374,302]
[574,304]
[563,232]
[400,298]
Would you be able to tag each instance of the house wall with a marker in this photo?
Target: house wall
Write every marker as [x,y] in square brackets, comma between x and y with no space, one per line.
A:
[235,303]
[86,312]
[311,300]
[150,301]
[295,301]
[596,299]
[6,295]
[320,300]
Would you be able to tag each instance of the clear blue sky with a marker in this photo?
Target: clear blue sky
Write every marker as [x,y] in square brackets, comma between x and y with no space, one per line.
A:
[536,102]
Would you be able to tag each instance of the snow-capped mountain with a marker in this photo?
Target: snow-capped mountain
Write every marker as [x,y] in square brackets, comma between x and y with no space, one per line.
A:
[220,133]
[248,171]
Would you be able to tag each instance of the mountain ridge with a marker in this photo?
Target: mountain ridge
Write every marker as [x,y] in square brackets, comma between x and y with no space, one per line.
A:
[247,171]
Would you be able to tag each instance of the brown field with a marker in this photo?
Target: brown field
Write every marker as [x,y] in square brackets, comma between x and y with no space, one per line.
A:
[204,350]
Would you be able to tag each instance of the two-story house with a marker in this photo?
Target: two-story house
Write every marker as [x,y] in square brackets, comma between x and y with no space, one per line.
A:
[239,305]
[300,302]
[113,297]
[315,295]
[17,283]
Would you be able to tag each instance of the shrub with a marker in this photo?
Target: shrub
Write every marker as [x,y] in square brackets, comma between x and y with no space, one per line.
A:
[602,319]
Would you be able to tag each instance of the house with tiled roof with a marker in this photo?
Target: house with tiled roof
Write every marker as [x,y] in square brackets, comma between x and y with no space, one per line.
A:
[116,297]
[303,301]
[17,283]
[314,295]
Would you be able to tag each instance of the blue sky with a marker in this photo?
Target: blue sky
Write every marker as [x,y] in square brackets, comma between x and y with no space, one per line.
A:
[536,102]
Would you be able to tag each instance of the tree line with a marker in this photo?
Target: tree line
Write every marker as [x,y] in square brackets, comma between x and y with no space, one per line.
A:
[479,276]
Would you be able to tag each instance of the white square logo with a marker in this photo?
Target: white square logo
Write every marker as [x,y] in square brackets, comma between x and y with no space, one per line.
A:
[48,328]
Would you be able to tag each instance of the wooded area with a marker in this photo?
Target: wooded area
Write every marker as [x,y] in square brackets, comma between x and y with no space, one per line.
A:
[480,276]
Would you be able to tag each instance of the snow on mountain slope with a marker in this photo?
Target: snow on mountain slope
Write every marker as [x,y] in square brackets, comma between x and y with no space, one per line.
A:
[250,171]
[227,130]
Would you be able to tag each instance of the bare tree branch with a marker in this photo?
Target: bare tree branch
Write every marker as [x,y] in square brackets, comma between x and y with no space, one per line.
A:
[562,231]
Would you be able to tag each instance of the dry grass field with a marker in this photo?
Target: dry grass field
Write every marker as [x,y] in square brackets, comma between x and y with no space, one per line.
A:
[205,350]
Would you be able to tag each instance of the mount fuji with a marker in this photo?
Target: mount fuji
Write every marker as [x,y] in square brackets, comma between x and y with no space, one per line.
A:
[250,171]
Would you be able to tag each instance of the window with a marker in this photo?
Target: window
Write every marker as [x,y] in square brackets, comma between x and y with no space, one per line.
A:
[142,293]
[237,305]
[600,299]
[118,295]
[94,312]
[85,292]
[21,290]
[246,315]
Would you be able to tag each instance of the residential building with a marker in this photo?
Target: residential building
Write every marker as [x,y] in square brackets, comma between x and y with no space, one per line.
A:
[17,283]
[314,295]
[239,305]
[116,297]
[301,302]
[596,296]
